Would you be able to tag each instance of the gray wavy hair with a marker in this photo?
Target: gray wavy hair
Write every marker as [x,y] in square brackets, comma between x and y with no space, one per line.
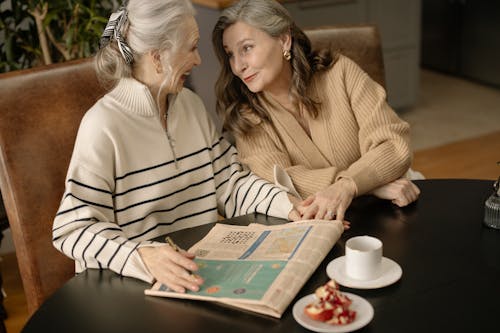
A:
[233,97]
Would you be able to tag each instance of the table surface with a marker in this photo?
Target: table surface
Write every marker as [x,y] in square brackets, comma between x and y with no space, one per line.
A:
[450,282]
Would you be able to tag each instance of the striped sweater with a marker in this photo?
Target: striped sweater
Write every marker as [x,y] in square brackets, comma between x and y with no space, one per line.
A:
[356,135]
[126,185]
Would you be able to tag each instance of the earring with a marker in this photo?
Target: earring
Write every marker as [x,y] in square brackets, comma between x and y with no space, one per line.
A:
[287,55]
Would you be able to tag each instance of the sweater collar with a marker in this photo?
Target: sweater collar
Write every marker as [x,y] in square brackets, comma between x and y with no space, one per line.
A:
[135,97]
[290,129]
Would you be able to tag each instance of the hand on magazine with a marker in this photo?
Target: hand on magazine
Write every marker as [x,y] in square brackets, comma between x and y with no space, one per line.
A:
[331,202]
[172,268]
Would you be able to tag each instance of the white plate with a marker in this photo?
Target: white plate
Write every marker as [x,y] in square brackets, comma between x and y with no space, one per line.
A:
[364,314]
[391,272]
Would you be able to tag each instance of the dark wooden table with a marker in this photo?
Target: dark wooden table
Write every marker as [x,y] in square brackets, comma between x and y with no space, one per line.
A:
[450,283]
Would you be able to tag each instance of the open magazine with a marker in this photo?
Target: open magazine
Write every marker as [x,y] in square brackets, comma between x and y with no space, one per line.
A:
[257,267]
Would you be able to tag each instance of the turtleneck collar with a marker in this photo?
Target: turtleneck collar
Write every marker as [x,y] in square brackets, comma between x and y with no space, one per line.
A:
[135,97]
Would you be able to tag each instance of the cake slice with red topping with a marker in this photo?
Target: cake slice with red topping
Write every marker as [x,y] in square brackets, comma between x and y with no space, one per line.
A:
[330,306]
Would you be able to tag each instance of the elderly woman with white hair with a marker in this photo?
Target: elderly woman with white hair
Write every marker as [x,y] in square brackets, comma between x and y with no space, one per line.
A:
[147,159]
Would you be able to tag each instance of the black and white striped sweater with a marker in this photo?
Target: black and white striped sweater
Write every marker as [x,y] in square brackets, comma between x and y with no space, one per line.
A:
[126,185]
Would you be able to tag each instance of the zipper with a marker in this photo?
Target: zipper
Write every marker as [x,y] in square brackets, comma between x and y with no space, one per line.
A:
[171,142]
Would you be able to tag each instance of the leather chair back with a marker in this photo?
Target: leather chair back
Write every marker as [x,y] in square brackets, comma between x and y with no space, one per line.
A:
[361,43]
[41,110]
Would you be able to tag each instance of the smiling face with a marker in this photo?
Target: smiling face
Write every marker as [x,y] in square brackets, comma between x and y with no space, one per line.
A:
[184,57]
[257,58]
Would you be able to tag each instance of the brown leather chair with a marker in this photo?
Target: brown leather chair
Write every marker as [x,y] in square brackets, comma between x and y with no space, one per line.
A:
[361,43]
[41,109]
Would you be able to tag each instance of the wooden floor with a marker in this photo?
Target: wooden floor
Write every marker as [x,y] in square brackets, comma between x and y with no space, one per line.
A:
[473,159]
[15,302]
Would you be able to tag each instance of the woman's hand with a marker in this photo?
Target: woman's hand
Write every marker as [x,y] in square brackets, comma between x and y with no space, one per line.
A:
[294,214]
[171,268]
[330,203]
[401,192]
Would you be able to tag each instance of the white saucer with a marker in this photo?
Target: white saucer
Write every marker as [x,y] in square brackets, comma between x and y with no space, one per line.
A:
[364,314]
[391,272]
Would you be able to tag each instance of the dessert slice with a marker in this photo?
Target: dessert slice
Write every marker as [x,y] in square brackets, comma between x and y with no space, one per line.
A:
[330,306]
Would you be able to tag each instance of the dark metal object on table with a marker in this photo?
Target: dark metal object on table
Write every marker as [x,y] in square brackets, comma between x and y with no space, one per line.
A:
[492,207]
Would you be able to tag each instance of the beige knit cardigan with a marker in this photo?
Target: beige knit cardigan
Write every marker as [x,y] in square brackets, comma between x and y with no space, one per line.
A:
[356,135]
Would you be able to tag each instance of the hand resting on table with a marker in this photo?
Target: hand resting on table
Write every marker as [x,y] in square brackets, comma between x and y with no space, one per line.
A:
[401,192]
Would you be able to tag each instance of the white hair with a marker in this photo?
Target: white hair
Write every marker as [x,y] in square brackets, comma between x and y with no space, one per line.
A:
[151,25]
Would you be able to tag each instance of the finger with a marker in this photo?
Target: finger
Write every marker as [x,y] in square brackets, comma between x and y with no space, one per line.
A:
[181,260]
[294,215]
[412,188]
[321,214]
[309,200]
[174,277]
[401,201]
[180,284]
[415,191]
[177,272]
[187,254]
[397,202]
[340,213]
[197,279]
[175,287]
[412,196]
[302,209]
[310,212]
[192,282]
[346,224]
[185,279]
[329,215]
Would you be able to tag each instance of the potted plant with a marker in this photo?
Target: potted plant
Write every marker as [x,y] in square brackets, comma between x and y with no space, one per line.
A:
[42,32]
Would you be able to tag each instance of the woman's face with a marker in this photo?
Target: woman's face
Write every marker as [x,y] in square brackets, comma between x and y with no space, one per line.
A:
[257,58]
[182,60]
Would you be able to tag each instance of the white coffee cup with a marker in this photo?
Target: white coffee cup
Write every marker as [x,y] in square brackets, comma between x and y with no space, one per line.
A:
[363,257]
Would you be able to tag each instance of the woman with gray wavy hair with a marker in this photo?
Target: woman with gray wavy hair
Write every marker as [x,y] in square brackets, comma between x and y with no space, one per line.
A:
[147,159]
[313,119]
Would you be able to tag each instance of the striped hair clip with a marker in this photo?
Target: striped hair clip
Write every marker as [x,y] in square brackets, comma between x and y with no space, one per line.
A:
[113,31]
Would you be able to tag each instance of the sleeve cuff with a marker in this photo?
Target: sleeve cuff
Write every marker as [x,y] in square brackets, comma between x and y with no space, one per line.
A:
[282,180]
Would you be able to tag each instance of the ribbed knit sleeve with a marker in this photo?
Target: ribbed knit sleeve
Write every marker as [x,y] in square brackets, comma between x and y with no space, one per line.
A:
[383,137]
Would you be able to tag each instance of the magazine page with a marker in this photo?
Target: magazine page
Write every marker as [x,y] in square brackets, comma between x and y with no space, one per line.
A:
[256,267]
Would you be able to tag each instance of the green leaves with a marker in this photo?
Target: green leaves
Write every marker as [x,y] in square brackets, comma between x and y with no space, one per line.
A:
[72,29]
[19,35]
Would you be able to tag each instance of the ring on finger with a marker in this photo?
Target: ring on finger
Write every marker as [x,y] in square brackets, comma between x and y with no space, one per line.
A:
[329,214]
